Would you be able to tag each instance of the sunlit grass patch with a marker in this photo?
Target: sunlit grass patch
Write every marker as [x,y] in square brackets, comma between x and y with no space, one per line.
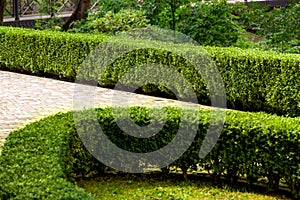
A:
[157,187]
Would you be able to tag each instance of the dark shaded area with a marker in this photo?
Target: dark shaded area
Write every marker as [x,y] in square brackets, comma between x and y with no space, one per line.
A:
[2,7]
[21,70]
[79,13]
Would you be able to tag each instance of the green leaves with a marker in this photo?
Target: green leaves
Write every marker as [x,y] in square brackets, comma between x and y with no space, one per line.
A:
[123,20]
[209,23]
[279,26]
[46,52]
[283,27]
[32,164]
[254,80]
[37,161]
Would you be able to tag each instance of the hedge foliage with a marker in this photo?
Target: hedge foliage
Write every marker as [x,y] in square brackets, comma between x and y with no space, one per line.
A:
[45,52]
[43,159]
[33,163]
[254,80]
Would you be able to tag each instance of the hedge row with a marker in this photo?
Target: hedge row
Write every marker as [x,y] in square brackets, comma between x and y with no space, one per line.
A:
[254,80]
[33,164]
[45,52]
[43,159]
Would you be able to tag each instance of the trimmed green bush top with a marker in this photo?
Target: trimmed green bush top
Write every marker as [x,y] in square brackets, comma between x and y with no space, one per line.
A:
[254,80]
[56,53]
[41,160]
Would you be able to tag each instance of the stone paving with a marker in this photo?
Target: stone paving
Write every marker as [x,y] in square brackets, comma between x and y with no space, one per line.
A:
[24,99]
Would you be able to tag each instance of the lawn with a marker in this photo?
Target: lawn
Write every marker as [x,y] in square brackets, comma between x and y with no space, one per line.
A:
[144,186]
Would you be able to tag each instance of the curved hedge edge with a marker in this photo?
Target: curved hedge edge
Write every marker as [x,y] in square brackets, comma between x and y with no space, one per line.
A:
[32,164]
[36,160]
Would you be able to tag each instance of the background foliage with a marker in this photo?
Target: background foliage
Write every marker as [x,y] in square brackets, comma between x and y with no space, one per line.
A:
[215,23]
[111,23]
[276,28]
[209,23]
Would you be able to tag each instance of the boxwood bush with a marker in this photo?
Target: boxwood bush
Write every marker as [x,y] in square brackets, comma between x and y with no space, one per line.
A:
[34,162]
[254,80]
[45,52]
[43,159]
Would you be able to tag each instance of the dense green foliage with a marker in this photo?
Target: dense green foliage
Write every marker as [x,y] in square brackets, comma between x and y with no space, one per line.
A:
[282,29]
[33,163]
[111,22]
[259,80]
[209,23]
[278,28]
[43,159]
[42,52]
[254,80]
[37,161]
[104,7]
[213,23]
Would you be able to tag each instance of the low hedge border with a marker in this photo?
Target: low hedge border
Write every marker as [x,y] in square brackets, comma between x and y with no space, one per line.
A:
[32,163]
[36,51]
[254,80]
[43,159]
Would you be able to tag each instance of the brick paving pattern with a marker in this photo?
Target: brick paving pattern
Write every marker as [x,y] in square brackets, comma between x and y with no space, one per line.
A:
[24,99]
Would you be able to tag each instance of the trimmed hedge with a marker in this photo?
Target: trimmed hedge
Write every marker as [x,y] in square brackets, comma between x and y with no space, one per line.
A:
[45,52]
[41,160]
[254,80]
[260,80]
[33,163]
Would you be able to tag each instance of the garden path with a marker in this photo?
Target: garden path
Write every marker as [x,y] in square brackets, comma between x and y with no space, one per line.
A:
[25,98]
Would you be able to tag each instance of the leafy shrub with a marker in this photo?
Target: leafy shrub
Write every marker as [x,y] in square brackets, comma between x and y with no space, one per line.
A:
[124,20]
[209,23]
[254,80]
[37,160]
[111,22]
[246,41]
[279,26]
[162,13]
[282,29]
[84,25]
[116,5]
[105,6]
[250,14]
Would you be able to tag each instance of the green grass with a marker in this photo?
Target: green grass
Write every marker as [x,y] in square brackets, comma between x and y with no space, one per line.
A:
[137,187]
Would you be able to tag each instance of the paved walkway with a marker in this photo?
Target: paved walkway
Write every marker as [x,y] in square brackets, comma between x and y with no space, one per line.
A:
[24,99]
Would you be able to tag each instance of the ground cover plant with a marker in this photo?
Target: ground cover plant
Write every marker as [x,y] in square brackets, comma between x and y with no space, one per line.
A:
[44,159]
[155,186]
